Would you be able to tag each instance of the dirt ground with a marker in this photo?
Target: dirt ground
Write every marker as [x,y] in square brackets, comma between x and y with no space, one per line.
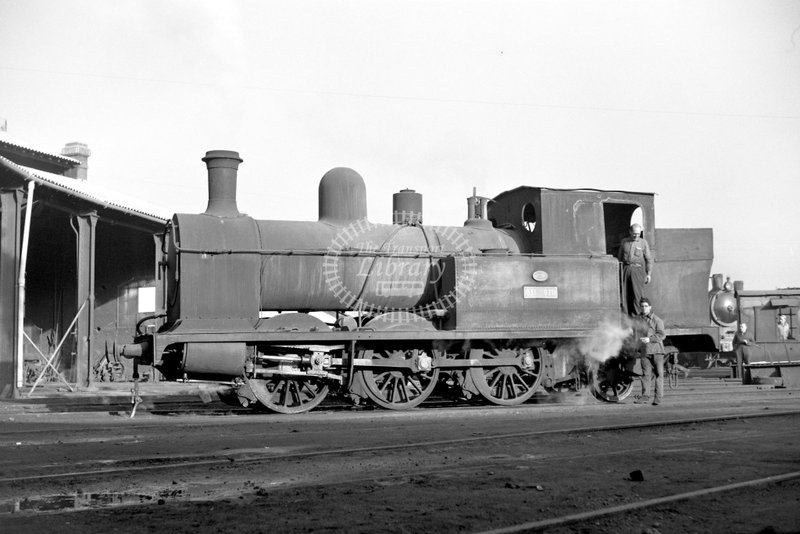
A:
[259,474]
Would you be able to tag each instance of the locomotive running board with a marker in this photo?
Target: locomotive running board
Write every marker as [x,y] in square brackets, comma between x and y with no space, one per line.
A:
[344,336]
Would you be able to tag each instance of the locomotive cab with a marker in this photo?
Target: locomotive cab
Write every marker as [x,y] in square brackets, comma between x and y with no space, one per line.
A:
[572,221]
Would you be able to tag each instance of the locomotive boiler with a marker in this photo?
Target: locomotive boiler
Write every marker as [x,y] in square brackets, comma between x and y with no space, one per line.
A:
[503,306]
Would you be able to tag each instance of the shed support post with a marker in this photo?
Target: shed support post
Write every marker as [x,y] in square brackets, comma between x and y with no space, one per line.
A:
[10,225]
[87,238]
[161,284]
[160,270]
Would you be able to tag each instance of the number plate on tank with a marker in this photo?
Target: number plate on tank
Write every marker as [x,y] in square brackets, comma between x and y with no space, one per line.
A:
[539,292]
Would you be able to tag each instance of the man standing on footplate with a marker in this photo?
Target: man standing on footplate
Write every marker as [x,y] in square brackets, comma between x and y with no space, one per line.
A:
[652,353]
[637,264]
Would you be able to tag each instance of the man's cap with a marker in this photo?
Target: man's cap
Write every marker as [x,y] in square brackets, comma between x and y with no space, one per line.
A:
[645,300]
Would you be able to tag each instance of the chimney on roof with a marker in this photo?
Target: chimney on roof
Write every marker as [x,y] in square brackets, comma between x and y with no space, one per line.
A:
[80,152]
[3,124]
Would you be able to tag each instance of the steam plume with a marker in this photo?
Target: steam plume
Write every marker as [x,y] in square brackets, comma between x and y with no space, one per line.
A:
[606,340]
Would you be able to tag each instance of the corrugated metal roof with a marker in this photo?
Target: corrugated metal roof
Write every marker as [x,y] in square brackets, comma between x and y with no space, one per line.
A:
[8,139]
[90,191]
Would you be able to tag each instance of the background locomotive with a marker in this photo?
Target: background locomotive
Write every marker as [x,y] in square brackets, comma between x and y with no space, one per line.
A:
[507,304]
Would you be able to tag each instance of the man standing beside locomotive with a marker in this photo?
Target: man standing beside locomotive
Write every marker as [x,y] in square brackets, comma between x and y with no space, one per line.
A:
[653,353]
[637,263]
[741,347]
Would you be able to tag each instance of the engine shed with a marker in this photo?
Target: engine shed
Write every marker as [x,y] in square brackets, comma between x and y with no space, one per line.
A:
[76,270]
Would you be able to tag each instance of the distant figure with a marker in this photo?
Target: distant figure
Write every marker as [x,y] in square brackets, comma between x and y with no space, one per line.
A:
[741,347]
[653,357]
[783,328]
[637,261]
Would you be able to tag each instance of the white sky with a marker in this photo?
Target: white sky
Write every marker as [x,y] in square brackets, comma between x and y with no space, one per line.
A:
[695,100]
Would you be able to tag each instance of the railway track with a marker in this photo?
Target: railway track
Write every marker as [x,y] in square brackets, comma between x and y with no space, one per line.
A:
[249,457]
[583,517]
[218,400]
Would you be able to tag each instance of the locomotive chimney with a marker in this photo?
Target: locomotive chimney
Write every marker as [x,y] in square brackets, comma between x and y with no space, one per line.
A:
[80,152]
[222,168]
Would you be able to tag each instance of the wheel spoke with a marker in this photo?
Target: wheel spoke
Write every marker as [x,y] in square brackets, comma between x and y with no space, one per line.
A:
[398,393]
[523,386]
[510,387]
[310,393]
[400,390]
[496,377]
[385,383]
[286,393]
[391,388]
[297,394]
[414,383]
[280,391]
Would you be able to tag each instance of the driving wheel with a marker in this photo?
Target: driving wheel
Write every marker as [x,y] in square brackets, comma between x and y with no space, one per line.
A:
[400,388]
[610,381]
[509,385]
[288,395]
[408,376]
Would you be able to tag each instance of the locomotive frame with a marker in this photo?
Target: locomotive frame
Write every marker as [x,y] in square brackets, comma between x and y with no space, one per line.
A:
[508,304]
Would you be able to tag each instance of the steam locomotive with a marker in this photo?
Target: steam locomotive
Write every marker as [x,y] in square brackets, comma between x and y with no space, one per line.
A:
[516,300]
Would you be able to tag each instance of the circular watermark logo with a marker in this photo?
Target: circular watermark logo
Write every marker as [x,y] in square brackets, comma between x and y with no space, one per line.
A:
[377,269]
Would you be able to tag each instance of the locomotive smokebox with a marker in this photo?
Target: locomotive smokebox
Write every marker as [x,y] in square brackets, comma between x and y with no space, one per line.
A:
[223,166]
[407,207]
